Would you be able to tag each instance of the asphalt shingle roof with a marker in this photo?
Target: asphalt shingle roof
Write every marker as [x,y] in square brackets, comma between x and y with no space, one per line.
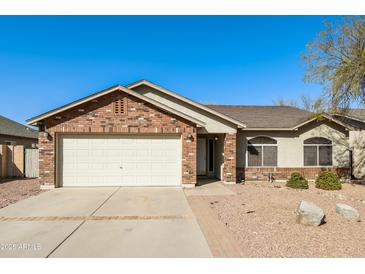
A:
[356,113]
[353,117]
[12,128]
[265,116]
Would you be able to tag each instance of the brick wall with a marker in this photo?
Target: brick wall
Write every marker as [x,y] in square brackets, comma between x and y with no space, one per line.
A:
[97,116]
[283,173]
[230,160]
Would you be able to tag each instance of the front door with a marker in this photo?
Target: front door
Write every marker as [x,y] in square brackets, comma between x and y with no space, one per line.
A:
[202,157]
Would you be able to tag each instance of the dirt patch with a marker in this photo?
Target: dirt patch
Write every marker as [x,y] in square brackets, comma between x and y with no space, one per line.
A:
[12,191]
[262,219]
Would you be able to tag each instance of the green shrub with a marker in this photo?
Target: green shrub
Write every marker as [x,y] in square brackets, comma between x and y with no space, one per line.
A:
[328,180]
[297,180]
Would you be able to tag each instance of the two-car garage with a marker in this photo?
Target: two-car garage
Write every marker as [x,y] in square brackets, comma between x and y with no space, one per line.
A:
[119,160]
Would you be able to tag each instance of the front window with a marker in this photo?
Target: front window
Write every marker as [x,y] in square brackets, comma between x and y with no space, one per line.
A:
[262,151]
[317,152]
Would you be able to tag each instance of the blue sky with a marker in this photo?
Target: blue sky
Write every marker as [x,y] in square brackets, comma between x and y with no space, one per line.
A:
[47,61]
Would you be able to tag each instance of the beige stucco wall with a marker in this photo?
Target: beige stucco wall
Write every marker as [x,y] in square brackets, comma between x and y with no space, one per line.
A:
[290,143]
[357,144]
[219,157]
[214,124]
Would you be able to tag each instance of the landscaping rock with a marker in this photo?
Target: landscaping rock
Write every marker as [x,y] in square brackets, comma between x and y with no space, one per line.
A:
[348,212]
[310,214]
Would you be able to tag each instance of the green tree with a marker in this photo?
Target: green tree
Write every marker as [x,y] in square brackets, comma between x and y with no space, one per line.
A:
[336,60]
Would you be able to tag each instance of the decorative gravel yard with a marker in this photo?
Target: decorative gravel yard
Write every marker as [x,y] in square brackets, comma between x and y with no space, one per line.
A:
[13,190]
[262,218]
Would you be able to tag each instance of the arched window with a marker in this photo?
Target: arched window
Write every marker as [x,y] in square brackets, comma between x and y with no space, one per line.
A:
[317,152]
[262,151]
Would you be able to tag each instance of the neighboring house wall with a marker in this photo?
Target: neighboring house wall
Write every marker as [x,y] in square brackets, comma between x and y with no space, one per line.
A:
[15,140]
[290,149]
[213,123]
[98,117]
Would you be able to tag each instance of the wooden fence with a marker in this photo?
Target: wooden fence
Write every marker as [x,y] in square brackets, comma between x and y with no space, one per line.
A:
[15,161]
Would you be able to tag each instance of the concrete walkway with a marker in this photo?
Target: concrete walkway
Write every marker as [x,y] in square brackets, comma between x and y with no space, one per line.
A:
[102,222]
[208,187]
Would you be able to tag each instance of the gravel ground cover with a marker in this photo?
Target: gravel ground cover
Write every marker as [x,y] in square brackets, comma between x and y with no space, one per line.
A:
[263,220]
[12,191]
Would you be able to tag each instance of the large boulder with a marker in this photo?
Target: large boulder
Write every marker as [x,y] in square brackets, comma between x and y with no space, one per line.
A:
[310,214]
[348,212]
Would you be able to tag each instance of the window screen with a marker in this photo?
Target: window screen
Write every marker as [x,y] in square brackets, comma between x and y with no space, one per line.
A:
[325,155]
[262,140]
[310,155]
[270,155]
[318,141]
[317,152]
[254,155]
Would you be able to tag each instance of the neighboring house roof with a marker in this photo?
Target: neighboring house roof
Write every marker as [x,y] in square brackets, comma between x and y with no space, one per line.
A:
[222,115]
[12,128]
[34,120]
[265,117]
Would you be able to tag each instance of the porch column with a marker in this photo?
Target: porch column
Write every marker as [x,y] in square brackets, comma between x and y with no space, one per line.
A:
[229,151]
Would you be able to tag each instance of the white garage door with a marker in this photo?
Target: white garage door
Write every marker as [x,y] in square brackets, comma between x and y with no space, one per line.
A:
[120,160]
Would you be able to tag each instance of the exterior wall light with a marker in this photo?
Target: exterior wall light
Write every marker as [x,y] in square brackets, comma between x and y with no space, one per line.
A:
[190,137]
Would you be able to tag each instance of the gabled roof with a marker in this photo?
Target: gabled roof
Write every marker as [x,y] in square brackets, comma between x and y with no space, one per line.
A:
[223,116]
[283,118]
[328,117]
[34,120]
[12,128]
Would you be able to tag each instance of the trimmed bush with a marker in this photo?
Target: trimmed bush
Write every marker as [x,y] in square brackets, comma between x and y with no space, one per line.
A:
[297,180]
[328,180]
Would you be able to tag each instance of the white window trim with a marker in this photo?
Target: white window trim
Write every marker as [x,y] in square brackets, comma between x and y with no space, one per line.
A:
[262,154]
[318,145]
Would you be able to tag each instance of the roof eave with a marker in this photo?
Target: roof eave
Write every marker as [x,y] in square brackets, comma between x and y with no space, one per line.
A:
[239,124]
[34,120]
[349,117]
[328,117]
[267,129]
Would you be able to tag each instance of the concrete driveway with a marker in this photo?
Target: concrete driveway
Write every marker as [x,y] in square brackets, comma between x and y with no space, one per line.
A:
[102,222]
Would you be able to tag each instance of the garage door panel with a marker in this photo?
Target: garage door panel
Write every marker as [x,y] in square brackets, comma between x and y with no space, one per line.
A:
[90,160]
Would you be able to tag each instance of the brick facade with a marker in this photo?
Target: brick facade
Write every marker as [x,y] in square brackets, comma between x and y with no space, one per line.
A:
[230,157]
[283,173]
[97,117]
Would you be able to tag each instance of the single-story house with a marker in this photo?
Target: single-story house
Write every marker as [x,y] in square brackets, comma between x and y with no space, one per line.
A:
[142,134]
[14,133]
